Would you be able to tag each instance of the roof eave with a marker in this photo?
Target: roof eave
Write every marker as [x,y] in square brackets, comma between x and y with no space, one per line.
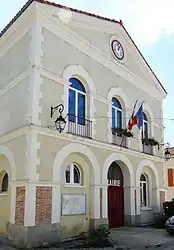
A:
[16,17]
[164,90]
[29,2]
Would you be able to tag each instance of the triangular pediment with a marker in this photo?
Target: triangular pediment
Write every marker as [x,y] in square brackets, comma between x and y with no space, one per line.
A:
[99,32]
[133,60]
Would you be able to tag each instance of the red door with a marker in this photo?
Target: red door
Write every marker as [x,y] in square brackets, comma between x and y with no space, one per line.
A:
[116,206]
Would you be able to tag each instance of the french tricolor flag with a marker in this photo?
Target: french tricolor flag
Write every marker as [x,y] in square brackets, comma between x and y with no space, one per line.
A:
[136,119]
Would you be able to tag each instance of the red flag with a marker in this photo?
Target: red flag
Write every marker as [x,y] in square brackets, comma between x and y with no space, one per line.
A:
[132,122]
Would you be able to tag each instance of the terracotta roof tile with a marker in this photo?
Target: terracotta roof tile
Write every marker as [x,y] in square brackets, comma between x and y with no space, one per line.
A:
[78,11]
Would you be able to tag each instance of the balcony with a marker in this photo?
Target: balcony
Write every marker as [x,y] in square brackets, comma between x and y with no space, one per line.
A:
[148,149]
[148,144]
[79,126]
[118,139]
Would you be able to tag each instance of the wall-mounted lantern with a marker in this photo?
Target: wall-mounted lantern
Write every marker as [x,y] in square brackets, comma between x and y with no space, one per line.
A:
[60,121]
[167,154]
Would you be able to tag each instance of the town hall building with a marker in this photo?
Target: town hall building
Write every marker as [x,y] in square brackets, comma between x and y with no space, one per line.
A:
[69,83]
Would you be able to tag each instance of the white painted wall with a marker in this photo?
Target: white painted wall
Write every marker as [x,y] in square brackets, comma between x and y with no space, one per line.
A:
[15,61]
[14,107]
[58,55]
[16,71]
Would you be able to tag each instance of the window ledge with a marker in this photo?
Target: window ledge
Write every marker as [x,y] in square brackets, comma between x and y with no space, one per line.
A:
[146,209]
[73,186]
[3,193]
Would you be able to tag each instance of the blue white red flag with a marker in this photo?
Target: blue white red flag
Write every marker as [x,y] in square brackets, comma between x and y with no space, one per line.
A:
[140,116]
[137,119]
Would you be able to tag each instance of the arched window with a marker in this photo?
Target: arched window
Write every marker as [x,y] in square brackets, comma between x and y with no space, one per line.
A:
[4,187]
[72,175]
[76,105]
[143,191]
[116,114]
[145,130]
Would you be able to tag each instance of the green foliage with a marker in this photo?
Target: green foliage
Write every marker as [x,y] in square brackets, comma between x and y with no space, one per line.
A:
[128,133]
[118,131]
[150,141]
[121,132]
[99,237]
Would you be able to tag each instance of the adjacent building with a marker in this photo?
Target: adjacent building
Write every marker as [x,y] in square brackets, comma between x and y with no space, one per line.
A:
[59,184]
[170,169]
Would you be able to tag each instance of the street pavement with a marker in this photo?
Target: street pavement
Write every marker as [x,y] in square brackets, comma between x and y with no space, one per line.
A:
[131,238]
[142,238]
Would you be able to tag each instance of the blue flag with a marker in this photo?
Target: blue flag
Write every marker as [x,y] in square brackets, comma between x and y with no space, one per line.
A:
[139,116]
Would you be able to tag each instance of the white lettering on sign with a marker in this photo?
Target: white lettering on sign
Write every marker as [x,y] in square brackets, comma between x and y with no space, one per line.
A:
[114,182]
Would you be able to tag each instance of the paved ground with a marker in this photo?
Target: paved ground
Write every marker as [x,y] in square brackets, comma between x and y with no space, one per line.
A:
[132,238]
[142,237]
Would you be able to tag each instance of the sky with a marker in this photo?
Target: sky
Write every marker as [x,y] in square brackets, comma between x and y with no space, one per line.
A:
[151,25]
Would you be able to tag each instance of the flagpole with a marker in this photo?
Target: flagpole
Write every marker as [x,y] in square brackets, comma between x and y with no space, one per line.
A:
[133,111]
[142,128]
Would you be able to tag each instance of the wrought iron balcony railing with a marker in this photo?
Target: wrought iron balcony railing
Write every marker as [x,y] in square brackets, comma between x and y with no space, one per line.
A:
[79,126]
[148,149]
[118,139]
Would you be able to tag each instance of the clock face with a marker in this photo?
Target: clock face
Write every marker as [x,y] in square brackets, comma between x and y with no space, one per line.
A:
[117,49]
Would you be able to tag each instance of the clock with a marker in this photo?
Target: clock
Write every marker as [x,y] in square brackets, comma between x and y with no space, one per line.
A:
[117,49]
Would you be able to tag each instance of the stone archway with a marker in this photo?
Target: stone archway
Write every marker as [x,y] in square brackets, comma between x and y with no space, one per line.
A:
[115,196]
[7,173]
[149,192]
[8,154]
[149,164]
[125,165]
[76,148]
[61,156]
[122,163]
[4,195]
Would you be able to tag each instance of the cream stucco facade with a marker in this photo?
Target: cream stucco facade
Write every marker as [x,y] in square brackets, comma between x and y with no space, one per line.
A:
[39,53]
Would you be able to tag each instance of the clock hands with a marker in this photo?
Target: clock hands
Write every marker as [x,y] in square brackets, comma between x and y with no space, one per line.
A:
[117,49]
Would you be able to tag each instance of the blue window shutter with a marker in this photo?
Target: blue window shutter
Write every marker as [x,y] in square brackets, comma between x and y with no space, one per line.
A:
[119,119]
[81,109]
[113,118]
[71,105]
